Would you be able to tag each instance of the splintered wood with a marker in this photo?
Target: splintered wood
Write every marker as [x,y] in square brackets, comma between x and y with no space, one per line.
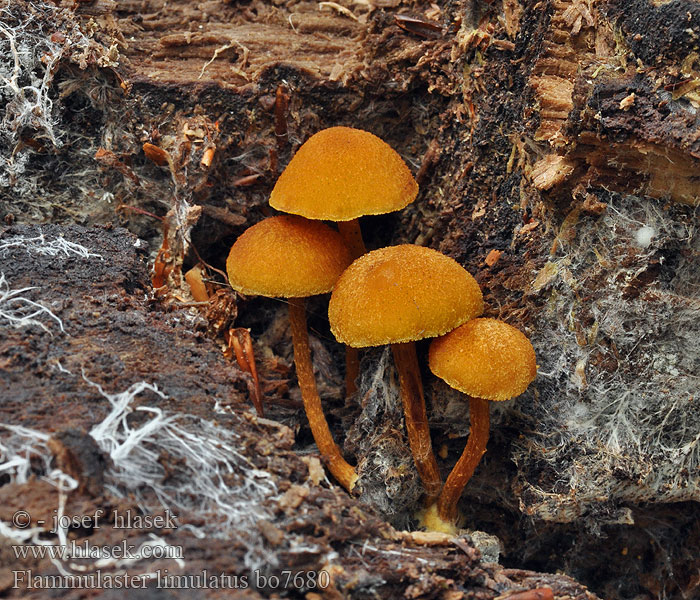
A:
[551,170]
[232,44]
[554,75]
[596,115]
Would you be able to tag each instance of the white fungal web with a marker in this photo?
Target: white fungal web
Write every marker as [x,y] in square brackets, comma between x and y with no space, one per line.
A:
[389,480]
[39,244]
[207,476]
[29,57]
[210,477]
[25,80]
[16,310]
[24,452]
[618,347]
[50,58]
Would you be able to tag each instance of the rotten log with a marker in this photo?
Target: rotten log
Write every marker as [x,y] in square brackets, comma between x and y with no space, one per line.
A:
[180,463]
[557,148]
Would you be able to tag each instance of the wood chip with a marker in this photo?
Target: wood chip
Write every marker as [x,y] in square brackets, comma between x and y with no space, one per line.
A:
[293,497]
[492,257]
[551,170]
[316,472]
[627,102]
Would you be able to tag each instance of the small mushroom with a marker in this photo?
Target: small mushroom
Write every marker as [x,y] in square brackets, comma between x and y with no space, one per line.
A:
[340,174]
[397,295]
[293,258]
[488,360]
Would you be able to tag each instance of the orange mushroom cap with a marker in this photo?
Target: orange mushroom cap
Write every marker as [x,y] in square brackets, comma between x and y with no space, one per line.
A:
[287,257]
[401,294]
[340,174]
[484,358]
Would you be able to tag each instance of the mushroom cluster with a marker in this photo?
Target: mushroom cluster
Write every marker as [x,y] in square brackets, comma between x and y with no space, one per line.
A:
[395,295]
[339,174]
[398,295]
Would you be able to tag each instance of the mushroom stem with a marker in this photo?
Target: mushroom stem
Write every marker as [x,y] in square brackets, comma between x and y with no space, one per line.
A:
[352,235]
[467,463]
[352,370]
[416,417]
[337,465]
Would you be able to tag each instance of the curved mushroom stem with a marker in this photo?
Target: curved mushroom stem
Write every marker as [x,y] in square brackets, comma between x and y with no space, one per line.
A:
[337,465]
[467,463]
[416,417]
[352,234]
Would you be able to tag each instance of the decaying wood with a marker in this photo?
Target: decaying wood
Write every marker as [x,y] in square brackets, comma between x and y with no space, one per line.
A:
[557,148]
[609,113]
[113,331]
